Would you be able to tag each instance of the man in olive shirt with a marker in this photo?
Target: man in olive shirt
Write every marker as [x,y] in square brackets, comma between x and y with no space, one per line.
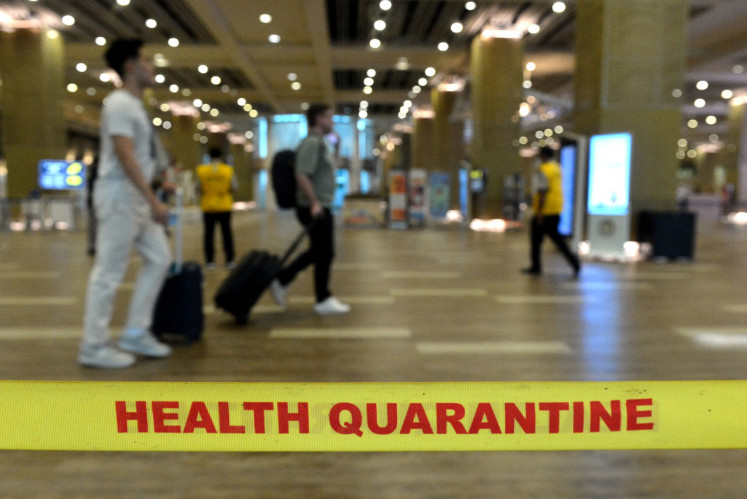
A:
[315,176]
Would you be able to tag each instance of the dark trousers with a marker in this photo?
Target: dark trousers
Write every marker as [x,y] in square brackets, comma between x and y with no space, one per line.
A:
[321,252]
[549,227]
[209,220]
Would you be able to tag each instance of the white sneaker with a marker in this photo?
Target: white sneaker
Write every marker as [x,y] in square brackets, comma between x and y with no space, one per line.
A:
[278,292]
[331,306]
[104,356]
[144,343]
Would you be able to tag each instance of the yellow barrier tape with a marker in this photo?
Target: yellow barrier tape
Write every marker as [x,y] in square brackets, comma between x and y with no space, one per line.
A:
[282,417]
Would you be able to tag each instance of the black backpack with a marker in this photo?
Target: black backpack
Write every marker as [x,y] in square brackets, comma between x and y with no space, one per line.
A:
[284,178]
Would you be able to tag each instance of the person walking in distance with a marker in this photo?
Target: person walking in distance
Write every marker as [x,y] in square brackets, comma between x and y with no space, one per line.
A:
[315,176]
[215,183]
[129,216]
[547,204]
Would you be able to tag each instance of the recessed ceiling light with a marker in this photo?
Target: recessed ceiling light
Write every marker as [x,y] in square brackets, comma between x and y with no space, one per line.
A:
[265,18]
[470,5]
[457,27]
[380,25]
[385,5]
[123,3]
[81,67]
[68,20]
[173,42]
[558,7]
[292,76]
[371,73]
[100,41]
[202,68]
[274,38]
[443,46]
[151,23]
[375,43]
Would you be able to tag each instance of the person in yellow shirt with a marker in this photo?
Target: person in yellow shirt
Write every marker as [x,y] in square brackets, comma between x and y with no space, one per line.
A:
[215,184]
[547,204]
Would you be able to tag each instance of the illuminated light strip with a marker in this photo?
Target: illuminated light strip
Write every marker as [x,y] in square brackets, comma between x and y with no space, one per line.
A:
[365,417]
[543,300]
[28,274]
[442,292]
[341,333]
[37,300]
[405,274]
[34,333]
[494,347]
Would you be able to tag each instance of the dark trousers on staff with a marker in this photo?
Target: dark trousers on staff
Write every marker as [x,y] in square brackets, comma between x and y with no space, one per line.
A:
[549,226]
[321,252]
[210,219]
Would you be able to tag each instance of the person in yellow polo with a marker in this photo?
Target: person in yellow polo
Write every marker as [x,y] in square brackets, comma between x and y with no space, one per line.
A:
[216,183]
[547,204]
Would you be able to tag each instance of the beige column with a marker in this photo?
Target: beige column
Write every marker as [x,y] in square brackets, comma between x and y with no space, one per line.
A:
[734,154]
[183,147]
[31,98]
[423,144]
[242,168]
[630,60]
[497,72]
[447,138]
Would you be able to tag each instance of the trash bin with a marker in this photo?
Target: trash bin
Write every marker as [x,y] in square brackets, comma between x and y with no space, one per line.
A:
[671,234]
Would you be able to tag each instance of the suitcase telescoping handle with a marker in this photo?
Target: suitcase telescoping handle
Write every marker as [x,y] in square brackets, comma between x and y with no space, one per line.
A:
[306,230]
[176,219]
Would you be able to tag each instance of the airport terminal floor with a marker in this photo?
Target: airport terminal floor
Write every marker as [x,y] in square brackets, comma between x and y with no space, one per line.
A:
[434,304]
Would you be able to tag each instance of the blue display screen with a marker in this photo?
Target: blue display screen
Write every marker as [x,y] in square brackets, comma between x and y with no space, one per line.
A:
[609,174]
[57,174]
[568,167]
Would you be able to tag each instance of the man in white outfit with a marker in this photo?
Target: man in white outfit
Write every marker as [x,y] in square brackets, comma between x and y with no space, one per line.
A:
[129,215]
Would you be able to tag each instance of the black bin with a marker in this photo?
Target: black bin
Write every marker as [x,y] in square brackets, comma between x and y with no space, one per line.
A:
[671,234]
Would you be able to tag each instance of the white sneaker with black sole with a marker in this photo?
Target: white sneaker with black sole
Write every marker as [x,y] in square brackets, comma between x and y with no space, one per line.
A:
[331,306]
[143,343]
[104,357]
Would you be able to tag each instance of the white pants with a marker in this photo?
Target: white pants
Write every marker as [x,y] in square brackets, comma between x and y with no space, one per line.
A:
[122,225]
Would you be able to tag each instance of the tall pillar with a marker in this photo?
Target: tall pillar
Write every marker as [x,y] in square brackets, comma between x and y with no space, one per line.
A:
[186,150]
[497,72]
[31,99]
[423,144]
[242,168]
[630,59]
[447,138]
[734,153]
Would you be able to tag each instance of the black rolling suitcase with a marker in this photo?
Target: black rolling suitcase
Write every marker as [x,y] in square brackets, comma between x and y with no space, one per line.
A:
[250,278]
[178,312]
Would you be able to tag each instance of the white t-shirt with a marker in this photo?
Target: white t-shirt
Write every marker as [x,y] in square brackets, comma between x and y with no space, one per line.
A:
[124,115]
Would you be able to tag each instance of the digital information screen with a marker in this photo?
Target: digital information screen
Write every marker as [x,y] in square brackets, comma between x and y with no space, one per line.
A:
[57,174]
[609,174]
[568,167]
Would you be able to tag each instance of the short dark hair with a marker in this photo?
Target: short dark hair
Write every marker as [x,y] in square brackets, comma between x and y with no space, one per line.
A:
[121,51]
[215,152]
[314,111]
[546,152]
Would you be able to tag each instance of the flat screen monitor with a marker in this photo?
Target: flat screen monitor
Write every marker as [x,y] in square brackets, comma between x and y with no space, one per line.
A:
[58,174]
[609,174]
[568,167]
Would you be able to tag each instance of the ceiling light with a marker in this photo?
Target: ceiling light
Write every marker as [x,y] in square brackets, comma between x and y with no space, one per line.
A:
[274,38]
[711,120]
[164,107]
[202,68]
[423,82]
[701,85]
[105,77]
[81,67]
[443,46]
[371,73]
[100,41]
[558,7]
[368,82]
[173,42]
[416,89]
[215,80]
[241,101]
[362,114]
[457,28]
[292,76]
[692,123]
[248,107]
[253,113]
[265,18]
[699,103]
[123,3]
[531,66]
[501,33]
[676,93]
[727,94]
[214,112]
[738,69]
[402,64]
[157,121]
[72,88]
[296,85]
[151,23]
[470,5]
[380,25]
[160,78]
[367,90]
[533,29]
[197,102]
[173,88]
[225,89]
[375,43]
[364,104]
[68,20]
[527,84]
[430,72]
[385,5]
